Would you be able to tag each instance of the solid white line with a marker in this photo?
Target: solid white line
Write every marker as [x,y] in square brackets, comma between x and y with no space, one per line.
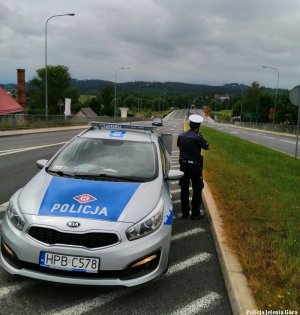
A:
[0,222]
[187,233]
[292,142]
[29,148]
[200,305]
[107,298]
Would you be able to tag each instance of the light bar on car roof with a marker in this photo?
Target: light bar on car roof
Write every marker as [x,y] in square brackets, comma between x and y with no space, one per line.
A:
[120,126]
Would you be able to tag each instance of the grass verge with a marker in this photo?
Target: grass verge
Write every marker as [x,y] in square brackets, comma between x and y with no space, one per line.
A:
[257,193]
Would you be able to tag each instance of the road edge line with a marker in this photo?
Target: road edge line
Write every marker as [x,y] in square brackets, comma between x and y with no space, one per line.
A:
[239,294]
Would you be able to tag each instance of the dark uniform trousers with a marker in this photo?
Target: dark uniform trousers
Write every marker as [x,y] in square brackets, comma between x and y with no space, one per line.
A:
[193,173]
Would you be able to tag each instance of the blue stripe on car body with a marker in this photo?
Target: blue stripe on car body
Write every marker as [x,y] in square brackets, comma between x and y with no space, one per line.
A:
[69,197]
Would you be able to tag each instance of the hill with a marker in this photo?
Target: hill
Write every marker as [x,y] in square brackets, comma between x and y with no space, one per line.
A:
[151,88]
[92,87]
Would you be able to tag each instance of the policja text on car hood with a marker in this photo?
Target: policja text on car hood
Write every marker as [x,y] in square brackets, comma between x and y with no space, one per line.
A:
[53,196]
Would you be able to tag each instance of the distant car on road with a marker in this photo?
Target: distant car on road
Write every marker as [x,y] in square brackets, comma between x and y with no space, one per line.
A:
[98,213]
[157,122]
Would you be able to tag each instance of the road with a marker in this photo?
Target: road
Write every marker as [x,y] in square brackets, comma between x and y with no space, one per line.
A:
[284,143]
[193,284]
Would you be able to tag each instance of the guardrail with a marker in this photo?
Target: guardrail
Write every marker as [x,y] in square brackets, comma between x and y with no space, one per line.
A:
[24,121]
[291,129]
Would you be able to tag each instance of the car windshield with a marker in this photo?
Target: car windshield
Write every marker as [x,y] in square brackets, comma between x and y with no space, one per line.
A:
[106,159]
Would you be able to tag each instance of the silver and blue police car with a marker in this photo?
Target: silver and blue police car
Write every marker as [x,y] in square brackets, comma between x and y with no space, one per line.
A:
[98,213]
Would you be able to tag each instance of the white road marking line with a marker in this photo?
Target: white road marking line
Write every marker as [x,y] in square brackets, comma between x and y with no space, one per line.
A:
[0,222]
[90,304]
[107,298]
[178,201]
[29,148]
[202,257]
[3,207]
[4,291]
[203,304]
[187,233]
[287,141]
[175,191]
[268,137]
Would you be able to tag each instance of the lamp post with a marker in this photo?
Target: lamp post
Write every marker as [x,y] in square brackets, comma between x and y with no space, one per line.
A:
[267,67]
[116,73]
[46,73]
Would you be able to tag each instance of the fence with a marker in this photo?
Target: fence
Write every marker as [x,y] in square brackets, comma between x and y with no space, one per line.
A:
[269,127]
[23,121]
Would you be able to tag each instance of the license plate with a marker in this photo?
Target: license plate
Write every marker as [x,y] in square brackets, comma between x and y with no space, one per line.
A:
[70,263]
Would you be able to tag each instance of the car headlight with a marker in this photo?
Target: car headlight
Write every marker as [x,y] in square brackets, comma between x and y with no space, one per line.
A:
[148,225]
[15,217]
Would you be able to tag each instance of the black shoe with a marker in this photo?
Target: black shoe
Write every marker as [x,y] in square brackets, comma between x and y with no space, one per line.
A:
[197,217]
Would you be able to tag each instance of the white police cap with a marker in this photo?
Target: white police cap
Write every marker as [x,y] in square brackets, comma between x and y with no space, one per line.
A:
[197,119]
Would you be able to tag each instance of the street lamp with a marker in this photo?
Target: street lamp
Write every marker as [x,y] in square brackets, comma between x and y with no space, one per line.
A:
[115,107]
[266,67]
[46,74]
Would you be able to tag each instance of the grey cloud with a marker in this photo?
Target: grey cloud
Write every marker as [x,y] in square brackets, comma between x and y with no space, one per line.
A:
[178,40]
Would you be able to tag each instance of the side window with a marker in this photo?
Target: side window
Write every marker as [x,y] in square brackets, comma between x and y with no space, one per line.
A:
[164,158]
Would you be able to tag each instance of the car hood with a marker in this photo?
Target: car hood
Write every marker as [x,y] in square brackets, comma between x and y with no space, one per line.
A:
[54,196]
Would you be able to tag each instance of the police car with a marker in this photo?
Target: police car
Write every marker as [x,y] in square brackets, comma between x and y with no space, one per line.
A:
[98,213]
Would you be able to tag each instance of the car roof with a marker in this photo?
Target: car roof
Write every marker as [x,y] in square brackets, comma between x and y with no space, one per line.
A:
[120,132]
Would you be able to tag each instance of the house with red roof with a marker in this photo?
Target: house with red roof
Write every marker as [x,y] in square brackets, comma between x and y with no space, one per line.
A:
[8,105]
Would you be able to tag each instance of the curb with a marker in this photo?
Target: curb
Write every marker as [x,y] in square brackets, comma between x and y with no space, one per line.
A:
[6,133]
[239,294]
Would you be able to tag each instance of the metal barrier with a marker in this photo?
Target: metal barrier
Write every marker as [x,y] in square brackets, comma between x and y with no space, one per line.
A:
[24,121]
[291,129]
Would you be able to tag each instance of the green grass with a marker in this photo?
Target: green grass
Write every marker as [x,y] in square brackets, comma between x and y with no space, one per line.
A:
[223,115]
[257,191]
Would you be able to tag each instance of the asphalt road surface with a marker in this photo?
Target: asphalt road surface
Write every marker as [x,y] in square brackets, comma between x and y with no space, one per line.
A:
[192,285]
[281,142]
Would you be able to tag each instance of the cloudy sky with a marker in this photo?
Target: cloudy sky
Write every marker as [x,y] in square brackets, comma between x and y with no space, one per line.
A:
[193,41]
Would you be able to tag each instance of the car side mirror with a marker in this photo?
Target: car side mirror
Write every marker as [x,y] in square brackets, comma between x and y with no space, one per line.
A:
[41,163]
[174,175]
[167,140]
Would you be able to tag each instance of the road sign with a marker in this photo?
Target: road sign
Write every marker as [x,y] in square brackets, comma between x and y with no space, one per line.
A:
[295,100]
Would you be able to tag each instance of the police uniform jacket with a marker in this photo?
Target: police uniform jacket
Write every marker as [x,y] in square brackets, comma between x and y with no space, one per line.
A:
[190,144]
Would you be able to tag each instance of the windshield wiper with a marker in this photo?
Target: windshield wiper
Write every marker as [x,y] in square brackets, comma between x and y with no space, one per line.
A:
[60,173]
[106,177]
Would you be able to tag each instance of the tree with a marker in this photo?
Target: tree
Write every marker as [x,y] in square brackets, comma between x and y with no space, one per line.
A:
[106,98]
[58,83]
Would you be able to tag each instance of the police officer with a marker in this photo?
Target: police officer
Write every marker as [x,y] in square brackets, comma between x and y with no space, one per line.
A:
[190,144]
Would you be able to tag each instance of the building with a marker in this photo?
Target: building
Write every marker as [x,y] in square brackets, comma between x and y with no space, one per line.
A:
[222,98]
[8,105]
[86,112]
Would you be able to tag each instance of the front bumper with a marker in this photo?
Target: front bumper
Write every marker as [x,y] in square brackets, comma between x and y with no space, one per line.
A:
[115,261]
